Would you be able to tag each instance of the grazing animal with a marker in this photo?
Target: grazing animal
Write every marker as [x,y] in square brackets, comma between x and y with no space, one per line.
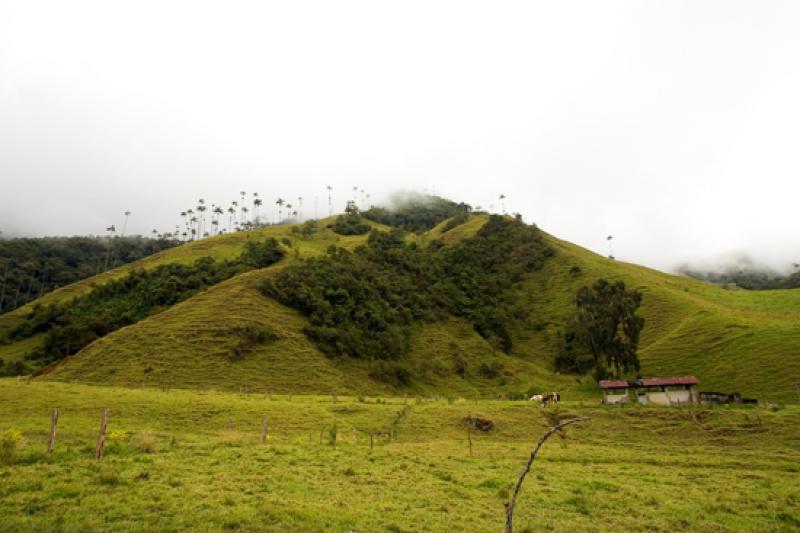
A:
[546,398]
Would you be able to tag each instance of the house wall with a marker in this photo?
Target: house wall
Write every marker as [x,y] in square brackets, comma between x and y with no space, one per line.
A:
[654,398]
[616,398]
[680,396]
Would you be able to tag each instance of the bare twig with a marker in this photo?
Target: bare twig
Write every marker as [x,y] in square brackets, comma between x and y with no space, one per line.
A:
[510,505]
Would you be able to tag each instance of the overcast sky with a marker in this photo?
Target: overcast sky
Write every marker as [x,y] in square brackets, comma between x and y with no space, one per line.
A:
[672,125]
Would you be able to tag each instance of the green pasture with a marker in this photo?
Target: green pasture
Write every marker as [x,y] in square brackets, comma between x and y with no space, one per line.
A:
[180,459]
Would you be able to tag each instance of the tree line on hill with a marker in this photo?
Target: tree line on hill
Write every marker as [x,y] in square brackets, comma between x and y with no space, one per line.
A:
[69,327]
[30,267]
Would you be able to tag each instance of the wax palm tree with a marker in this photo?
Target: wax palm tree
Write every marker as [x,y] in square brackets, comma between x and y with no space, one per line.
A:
[300,206]
[330,201]
[218,212]
[231,212]
[193,220]
[256,205]
[502,203]
[111,229]
[201,208]
[280,203]
[243,209]
[125,224]
[288,210]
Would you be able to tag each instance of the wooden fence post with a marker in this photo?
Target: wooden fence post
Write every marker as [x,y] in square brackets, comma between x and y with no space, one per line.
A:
[101,438]
[469,438]
[51,444]
[264,430]
[370,440]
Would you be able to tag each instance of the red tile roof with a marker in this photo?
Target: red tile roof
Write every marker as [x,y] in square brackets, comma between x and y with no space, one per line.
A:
[614,384]
[665,382]
[648,382]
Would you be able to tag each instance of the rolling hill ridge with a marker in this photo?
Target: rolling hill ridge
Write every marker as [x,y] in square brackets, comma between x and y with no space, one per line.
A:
[233,335]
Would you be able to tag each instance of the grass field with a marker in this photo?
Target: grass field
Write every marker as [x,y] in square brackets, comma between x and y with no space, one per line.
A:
[179,459]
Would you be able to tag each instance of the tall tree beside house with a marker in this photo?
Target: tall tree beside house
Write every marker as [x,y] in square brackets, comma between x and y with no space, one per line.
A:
[607,327]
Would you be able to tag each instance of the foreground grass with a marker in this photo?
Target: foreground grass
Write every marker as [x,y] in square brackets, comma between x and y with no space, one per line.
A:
[179,460]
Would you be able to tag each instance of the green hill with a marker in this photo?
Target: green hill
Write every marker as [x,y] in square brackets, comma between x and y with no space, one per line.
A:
[731,340]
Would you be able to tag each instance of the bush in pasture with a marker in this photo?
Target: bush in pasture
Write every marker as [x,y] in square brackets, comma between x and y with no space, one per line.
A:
[491,370]
[109,477]
[306,229]
[230,438]
[332,432]
[391,373]
[248,337]
[145,442]
[10,440]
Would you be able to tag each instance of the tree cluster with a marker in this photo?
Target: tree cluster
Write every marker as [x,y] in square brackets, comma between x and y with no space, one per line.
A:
[30,267]
[362,303]
[69,327]
[351,222]
[605,331]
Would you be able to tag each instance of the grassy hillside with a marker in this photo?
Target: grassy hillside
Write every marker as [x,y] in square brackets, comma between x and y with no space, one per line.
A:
[732,340]
[747,341]
[187,460]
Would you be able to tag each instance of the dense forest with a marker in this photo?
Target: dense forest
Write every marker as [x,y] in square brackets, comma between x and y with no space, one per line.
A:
[69,327]
[30,267]
[362,303]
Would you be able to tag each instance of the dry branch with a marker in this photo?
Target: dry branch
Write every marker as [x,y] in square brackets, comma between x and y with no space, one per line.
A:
[510,505]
